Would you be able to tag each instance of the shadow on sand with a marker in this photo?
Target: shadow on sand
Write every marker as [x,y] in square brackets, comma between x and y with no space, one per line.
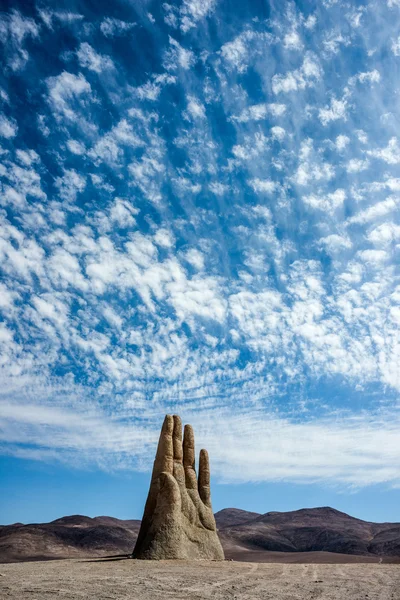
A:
[110,558]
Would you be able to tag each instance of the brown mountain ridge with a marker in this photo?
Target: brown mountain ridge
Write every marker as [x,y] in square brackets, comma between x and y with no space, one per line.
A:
[306,535]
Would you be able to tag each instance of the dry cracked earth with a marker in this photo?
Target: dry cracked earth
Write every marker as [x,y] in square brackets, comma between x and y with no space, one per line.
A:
[145,580]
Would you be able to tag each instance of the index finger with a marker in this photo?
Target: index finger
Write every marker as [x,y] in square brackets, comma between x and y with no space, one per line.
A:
[164,460]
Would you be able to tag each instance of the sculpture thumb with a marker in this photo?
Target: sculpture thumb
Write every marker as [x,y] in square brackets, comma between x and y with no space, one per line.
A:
[169,497]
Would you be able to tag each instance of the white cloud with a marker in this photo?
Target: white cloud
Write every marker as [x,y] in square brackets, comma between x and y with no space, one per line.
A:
[278,133]
[7,297]
[369,76]
[252,147]
[263,186]
[390,154]
[218,188]
[189,14]
[193,11]
[252,311]
[310,22]
[64,17]
[333,42]
[311,168]
[333,112]
[384,234]
[151,89]
[25,180]
[76,147]
[243,49]
[306,76]
[329,203]
[373,258]
[4,96]
[374,212]
[112,27]
[70,185]
[335,243]
[355,15]
[259,112]
[195,258]
[354,452]
[292,41]
[195,109]
[355,165]
[41,122]
[93,61]
[163,237]
[339,450]
[396,46]
[64,90]
[110,147]
[362,136]
[27,157]
[148,171]
[235,53]
[184,185]
[8,127]
[64,271]
[178,57]
[14,30]
[123,213]
[342,141]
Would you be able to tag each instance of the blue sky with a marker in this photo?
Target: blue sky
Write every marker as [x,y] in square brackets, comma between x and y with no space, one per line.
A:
[199,215]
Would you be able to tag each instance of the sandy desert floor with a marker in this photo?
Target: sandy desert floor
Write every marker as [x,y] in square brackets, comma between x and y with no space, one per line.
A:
[120,579]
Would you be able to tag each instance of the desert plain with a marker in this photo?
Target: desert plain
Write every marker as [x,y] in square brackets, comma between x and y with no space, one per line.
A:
[120,579]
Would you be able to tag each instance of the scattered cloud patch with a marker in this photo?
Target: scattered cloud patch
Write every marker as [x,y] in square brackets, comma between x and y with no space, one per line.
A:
[342,141]
[259,112]
[328,203]
[88,58]
[15,30]
[306,76]
[263,186]
[178,57]
[355,165]
[396,47]
[64,91]
[8,127]
[113,27]
[337,109]
[390,154]
[189,14]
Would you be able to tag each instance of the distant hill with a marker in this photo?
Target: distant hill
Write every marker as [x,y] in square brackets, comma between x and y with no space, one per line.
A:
[229,517]
[324,534]
[69,537]
[308,530]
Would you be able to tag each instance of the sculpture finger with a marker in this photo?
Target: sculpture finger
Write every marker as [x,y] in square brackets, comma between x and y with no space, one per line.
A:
[189,458]
[169,497]
[178,471]
[165,451]
[204,478]
[177,439]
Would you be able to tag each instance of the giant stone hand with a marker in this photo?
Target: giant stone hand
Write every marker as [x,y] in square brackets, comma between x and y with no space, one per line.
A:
[178,521]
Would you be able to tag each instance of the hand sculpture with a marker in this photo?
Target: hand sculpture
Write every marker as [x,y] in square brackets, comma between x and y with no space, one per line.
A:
[178,521]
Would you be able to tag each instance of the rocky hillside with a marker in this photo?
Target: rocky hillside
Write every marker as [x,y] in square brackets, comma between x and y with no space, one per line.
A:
[244,535]
[307,530]
[68,537]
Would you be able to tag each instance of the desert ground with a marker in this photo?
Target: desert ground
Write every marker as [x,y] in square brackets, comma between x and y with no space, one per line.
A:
[149,580]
